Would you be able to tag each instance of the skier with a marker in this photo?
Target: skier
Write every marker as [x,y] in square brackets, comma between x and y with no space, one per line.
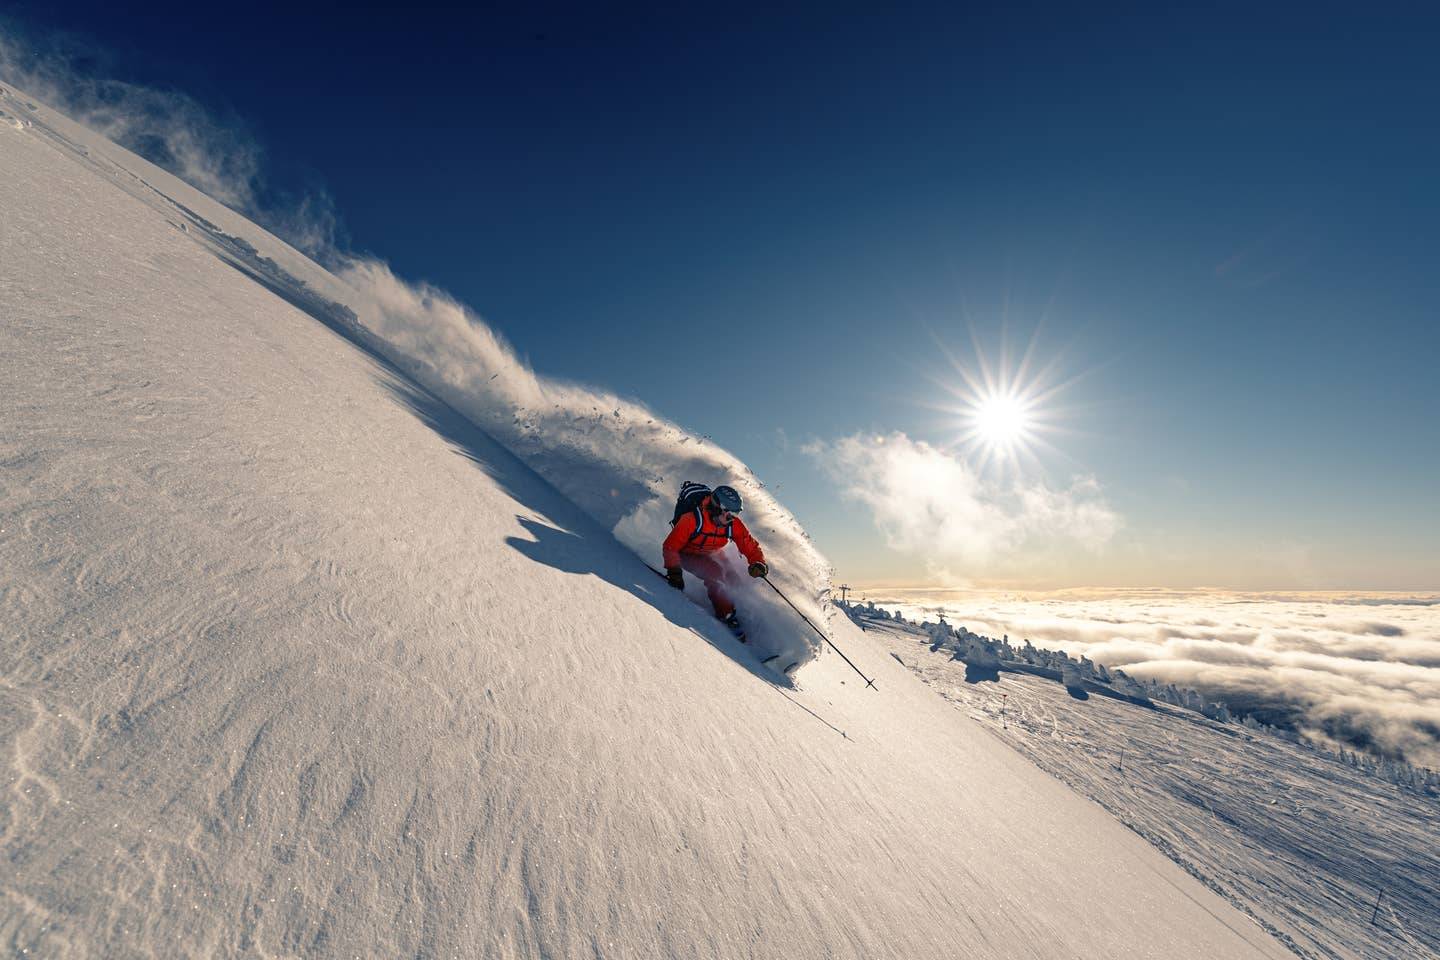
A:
[696,538]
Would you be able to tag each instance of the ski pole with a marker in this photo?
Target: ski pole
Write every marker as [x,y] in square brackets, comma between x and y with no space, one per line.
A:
[868,681]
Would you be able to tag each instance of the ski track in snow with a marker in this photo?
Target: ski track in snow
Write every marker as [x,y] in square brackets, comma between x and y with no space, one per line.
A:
[1302,842]
[299,662]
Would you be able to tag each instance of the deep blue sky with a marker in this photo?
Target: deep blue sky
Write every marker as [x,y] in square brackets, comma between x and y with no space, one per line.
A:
[1224,217]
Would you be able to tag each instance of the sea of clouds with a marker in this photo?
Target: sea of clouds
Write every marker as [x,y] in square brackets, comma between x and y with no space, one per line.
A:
[1350,669]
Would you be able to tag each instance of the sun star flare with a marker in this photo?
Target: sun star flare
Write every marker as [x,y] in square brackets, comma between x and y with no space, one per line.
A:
[1002,421]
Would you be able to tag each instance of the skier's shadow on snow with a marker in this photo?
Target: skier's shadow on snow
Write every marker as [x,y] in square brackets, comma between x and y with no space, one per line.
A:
[562,535]
[569,551]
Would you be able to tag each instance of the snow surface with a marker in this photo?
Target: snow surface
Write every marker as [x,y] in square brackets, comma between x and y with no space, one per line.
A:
[1338,863]
[298,661]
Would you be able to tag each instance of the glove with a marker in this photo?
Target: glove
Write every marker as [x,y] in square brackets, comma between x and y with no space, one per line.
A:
[759,568]
[676,578]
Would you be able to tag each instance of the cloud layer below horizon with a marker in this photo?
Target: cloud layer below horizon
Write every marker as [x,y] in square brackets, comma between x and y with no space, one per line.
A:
[1365,667]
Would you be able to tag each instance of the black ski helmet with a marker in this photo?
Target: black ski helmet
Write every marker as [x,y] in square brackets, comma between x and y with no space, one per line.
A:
[725,498]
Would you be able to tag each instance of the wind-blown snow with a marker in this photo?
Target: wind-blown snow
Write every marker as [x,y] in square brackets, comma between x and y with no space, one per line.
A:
[168,126]
[298,661]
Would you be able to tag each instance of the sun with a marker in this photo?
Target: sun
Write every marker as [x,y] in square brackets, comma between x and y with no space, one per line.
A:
[1002,421]
[1004,410]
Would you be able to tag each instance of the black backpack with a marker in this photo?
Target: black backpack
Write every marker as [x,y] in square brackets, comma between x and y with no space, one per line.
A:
[691,496]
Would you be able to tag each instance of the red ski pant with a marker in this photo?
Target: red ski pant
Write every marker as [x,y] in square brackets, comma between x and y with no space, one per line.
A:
[717,579]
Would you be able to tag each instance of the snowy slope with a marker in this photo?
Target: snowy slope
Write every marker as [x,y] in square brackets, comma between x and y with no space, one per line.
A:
[298,661]
[1339,863]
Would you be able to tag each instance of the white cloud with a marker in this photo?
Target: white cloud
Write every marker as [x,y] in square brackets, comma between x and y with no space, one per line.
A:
[930,503]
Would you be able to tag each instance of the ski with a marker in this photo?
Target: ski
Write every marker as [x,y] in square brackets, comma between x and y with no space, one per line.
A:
[773,662]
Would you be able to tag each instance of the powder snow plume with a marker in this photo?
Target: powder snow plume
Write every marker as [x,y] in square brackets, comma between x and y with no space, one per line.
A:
[615,459]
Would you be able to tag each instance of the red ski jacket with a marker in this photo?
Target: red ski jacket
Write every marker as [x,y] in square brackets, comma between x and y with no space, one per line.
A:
[708,537]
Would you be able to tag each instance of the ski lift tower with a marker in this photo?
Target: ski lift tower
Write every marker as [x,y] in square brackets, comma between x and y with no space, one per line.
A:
[843,588]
